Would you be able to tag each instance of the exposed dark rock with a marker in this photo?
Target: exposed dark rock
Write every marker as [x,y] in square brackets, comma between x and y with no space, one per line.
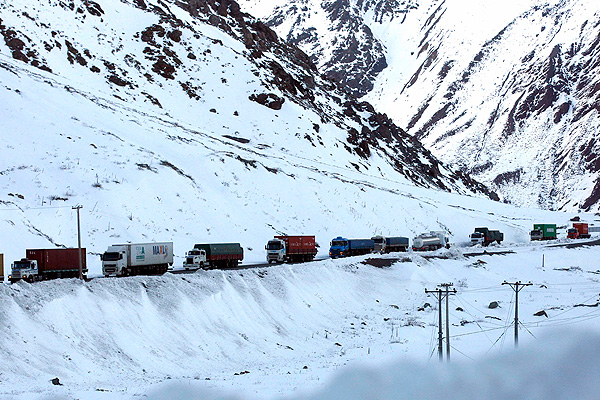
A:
[508,177]
[117,80]
[93,8]
[163,68]
[268,100]
[74,55]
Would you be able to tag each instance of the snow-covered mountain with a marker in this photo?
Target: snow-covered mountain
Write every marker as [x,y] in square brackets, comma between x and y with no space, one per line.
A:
[188,121]
[340,35]
[504,90]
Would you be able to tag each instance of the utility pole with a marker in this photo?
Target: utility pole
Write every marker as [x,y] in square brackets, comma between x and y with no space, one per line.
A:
[438,295]
[448,293]
[515,286]
[79,207]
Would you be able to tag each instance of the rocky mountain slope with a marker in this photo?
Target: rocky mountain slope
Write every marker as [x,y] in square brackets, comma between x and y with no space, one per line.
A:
[519,110]
[338,35]
[506,91]
[154,114]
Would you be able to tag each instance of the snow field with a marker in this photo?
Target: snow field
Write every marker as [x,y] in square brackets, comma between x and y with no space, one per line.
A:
[204,330]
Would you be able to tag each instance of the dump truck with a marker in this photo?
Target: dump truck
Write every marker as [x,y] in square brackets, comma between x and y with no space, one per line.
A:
[342,247]
[543,232]
[387,244]
[580,230]
[137,259]
[43,264]
[485,236]
[291,248]
[214,255]
[432,240]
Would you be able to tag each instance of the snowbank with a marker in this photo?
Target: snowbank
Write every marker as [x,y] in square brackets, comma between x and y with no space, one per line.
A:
[561,366]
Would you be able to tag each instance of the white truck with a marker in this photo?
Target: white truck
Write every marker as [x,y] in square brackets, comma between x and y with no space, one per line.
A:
[431,241]
[137,259]
[195,259]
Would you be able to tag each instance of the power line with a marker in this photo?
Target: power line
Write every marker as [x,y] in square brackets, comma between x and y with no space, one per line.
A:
[458,351]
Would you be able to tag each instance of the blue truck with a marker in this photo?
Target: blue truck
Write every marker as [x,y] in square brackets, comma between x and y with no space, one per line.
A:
[342,247]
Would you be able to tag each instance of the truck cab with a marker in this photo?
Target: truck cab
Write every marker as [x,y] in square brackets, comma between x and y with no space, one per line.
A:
[195,259]
[536,234]
[276,251]
[338,247]
[380,244]
[23,269]
[114,260]
[572,233]
[477,238]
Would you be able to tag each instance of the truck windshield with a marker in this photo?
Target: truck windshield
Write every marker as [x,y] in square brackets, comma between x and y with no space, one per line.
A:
[194,253]
[476,235]
[378,240]
[274,245]
[340,243]
[112,256]
[21,265]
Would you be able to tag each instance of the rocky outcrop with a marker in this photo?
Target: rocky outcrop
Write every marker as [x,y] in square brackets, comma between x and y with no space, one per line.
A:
[346,50]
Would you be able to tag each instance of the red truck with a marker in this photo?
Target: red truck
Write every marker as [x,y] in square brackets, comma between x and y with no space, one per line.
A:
[578,231]
[42,264]
[291,248]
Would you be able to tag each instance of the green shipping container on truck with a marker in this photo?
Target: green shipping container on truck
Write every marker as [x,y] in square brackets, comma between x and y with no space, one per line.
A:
[547,231]
[214,249]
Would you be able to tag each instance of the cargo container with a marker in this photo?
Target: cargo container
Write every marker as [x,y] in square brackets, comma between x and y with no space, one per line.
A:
[387,244]
[580,230]
[543,232]
[137,259]
[42,264]
[431,241]
[486,236]
[214,255]
[342,247]
[291,248]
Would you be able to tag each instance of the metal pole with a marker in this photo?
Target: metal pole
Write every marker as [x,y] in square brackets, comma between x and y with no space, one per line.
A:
[78,207]
[440,335]
[517,314]
[440,347]
[447,328]
[515,286]
[447,287]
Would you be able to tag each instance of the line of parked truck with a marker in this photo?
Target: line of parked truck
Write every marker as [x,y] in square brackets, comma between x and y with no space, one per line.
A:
[156,258]
[580,230]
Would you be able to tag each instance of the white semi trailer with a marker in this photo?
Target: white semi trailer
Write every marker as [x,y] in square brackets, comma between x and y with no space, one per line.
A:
[431,241]
[137,259]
